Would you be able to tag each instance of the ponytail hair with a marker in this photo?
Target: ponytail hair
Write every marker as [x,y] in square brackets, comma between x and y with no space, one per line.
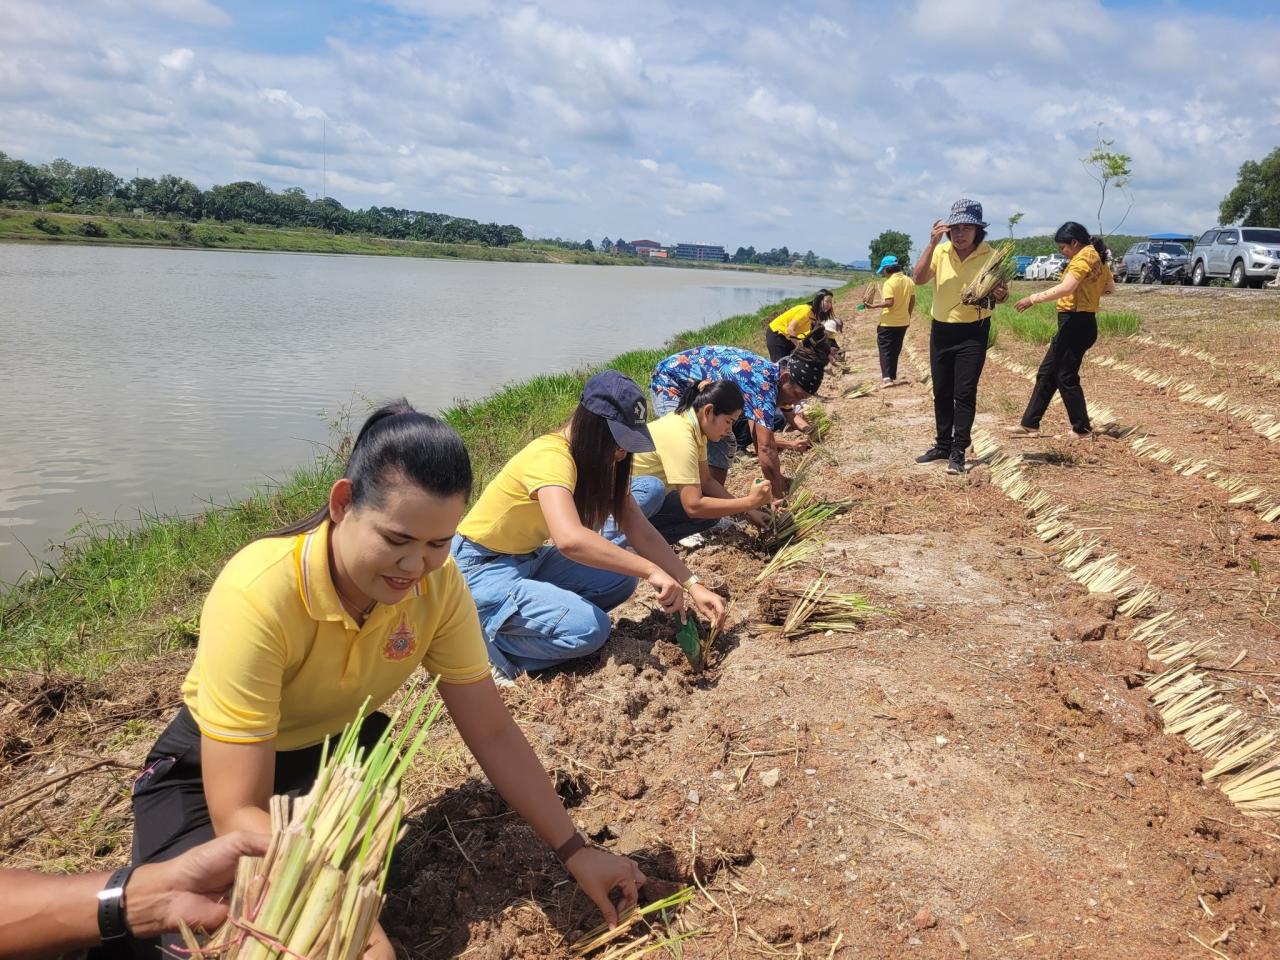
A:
[1072,232]
[397,444]
[725,396]
[816,305]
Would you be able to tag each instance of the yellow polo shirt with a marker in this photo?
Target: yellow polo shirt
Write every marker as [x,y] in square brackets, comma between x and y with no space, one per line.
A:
[801,314]
[1093,275]
[950,276]
[901,288]
[681,449]
[280,658]
[507,518]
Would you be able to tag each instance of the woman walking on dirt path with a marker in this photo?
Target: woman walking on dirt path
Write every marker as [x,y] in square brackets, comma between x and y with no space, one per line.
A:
[959,333]
[673,485]
[301,626]
[897,303]
[1086,280]
[767,391]
[543,578]
[789,328]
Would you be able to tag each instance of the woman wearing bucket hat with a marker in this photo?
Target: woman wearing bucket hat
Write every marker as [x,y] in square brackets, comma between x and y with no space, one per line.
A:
[897,303]
[959,333]
[768,390]
[542,577]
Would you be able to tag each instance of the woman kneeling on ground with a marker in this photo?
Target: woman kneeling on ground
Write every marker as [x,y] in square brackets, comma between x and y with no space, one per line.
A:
[789,328]
[542,576]
[303,625]
[769,393]
[959,333]
[673,485]
[897,303]
[1086,280]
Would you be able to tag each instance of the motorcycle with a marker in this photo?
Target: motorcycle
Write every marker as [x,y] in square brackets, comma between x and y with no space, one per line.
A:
[1156,270]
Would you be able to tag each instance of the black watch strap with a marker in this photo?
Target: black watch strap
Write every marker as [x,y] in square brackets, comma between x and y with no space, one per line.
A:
[111,925]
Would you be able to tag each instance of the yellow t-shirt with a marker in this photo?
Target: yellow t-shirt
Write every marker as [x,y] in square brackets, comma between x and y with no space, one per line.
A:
[950,276]
[902,289]
[801,314]
[279,656]
[1093,275]
[681,447]
[507,518]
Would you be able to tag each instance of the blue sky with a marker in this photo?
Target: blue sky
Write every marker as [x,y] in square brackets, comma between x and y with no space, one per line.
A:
[812,125]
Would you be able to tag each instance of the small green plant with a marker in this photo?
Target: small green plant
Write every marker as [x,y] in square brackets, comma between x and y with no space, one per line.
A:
[91,228]
[45,225]
[184,232]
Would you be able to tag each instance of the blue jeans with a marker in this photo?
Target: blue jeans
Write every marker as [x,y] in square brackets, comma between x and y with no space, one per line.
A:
[664,510]
[539,609]
[720,453]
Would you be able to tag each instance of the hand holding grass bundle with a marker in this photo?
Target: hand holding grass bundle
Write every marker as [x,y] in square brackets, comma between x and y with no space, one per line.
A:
[318,890]
[1000,269]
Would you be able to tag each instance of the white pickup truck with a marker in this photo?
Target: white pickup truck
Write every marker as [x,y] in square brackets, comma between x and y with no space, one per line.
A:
[1249,256]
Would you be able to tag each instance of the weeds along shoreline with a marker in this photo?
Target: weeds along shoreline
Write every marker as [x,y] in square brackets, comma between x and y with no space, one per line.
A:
[133,591]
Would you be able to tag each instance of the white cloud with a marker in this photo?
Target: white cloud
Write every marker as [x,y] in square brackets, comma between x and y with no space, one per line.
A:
[178,59]
[810,125]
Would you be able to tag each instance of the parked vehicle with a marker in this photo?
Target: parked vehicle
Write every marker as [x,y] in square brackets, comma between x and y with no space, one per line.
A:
[1046,267]
[1249,256]
[1134,266]
[1162,270]
[1023,263]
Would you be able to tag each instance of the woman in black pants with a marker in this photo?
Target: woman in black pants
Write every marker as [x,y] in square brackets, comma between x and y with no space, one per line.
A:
[1086,280]
[959,332]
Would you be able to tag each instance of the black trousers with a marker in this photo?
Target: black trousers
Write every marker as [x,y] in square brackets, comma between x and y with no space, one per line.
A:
[957,352]
[170,814]
[779,346]
[1060,371]
[889,341]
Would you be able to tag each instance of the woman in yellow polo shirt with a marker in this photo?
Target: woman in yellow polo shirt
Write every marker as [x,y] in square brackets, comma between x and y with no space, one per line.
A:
[896,304]
[1085,281]
[543,577]
[959,333]
[673,485]
[789,328]
[304,624]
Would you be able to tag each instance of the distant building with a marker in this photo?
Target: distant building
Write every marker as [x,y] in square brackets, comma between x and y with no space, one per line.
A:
[642,247]
[700,251]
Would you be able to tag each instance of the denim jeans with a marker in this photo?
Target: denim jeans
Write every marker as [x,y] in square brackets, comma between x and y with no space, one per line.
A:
[720,453]
[539,609]
[664,510]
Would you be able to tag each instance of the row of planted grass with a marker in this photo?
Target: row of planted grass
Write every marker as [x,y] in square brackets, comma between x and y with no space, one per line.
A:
[1038,324]
[129,592]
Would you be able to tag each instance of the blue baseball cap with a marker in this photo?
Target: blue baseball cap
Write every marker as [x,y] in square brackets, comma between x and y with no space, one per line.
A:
[889,261]
[616,397]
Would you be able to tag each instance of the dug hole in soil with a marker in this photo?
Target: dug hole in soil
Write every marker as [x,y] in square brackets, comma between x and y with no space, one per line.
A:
[977,772]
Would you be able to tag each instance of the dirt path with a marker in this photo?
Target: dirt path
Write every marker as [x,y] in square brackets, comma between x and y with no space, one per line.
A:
[979,773]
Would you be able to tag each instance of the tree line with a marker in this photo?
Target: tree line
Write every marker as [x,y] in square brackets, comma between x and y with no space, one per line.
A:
[61,186]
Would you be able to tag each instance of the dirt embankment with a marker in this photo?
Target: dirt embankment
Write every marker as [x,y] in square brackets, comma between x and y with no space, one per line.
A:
[978,773]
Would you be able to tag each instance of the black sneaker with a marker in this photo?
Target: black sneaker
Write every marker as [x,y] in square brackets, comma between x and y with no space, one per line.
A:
[932,454]
[956,464]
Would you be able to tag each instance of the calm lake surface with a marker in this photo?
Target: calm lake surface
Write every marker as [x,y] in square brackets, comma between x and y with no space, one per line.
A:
[135,381]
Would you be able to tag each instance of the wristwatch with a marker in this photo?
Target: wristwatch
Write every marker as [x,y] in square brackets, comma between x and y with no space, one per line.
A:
[571,846]
[111,923]
[690,583]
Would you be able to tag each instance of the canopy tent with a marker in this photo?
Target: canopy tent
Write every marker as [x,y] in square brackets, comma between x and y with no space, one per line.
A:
[1175,237]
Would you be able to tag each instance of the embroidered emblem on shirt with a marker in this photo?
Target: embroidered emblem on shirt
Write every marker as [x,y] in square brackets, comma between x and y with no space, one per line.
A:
[400,643]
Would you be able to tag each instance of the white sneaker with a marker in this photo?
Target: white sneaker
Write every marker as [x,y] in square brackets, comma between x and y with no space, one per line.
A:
[500,677]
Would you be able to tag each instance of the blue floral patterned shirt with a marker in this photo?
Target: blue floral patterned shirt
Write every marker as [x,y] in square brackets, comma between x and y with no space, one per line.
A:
[756,376]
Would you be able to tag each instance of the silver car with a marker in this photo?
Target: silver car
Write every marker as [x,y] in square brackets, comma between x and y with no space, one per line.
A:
[1249,256]
[1170,253]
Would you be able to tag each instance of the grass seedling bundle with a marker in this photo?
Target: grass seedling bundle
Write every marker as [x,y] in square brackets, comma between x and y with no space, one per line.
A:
[1001,268]
[795,552]
[802,516]
[318,891]
[603,934]
[818,608]
[820,422]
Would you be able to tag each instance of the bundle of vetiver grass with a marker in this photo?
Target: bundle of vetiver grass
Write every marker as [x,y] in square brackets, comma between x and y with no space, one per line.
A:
[318,891]
[1001,268]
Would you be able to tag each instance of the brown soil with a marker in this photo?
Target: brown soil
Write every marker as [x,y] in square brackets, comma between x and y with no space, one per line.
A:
[978,773]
